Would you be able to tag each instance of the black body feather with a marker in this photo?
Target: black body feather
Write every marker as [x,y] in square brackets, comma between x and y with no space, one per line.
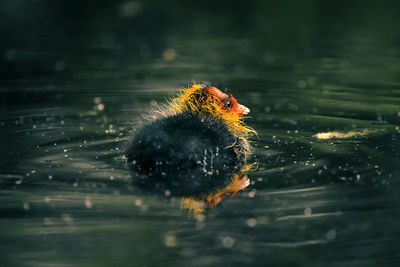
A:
[186,154]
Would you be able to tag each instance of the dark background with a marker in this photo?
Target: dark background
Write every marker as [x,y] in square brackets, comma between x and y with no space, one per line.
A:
[76,75]
[59,39]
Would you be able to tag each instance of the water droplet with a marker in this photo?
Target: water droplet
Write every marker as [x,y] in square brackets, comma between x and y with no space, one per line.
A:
[301,84]
[47,221]
[130,9]
[170,240]
[169,54]
[331,234]
[10,54]
[251,222]
[307,211]
[60,65]
[88,203]
[97,100]
[200,217]
[100,107]
[252,194]
[66,218]
[138,202]
[228,242]
[26,206]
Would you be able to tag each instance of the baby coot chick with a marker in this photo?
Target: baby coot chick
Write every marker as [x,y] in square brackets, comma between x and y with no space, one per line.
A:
[188,144]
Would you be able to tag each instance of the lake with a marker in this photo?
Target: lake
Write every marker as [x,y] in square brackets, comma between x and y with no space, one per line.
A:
[323,85]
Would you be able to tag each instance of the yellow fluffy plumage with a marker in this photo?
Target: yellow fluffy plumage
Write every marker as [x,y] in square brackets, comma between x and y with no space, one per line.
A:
[194,100]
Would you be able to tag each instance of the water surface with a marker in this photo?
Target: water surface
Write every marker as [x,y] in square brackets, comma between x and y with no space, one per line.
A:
[75,79]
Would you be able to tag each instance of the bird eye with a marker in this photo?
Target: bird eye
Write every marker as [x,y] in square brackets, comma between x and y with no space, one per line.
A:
[228,104]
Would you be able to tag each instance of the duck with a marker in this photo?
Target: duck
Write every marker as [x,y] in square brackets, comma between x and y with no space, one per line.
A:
[192,144]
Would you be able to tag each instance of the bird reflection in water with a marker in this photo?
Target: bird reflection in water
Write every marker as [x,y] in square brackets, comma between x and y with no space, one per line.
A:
[196,197]
[203,202]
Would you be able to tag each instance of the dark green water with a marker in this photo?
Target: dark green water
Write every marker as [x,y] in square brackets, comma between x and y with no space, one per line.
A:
[75,77]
